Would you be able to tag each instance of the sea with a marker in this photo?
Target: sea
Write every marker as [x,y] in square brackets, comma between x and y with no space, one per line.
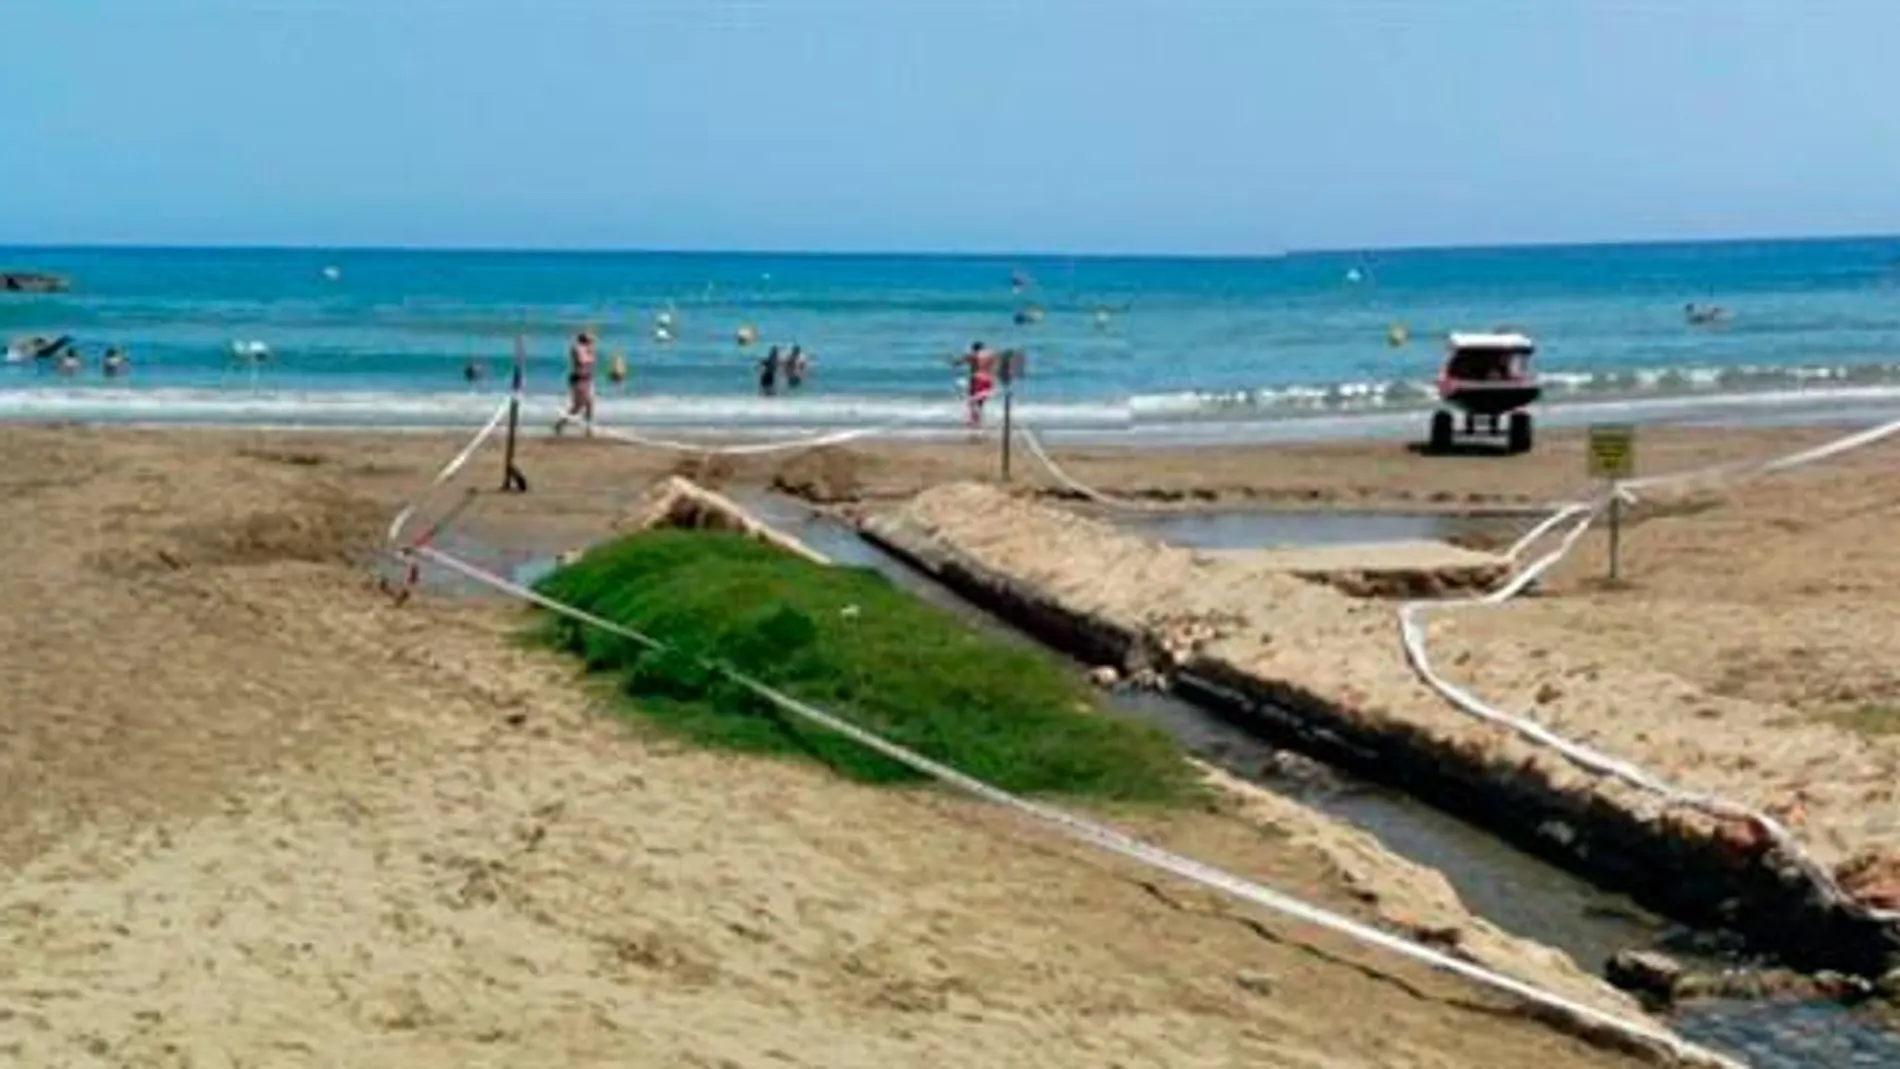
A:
[1300,345]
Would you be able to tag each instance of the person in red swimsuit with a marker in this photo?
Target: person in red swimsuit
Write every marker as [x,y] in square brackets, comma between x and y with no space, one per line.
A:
[982,365]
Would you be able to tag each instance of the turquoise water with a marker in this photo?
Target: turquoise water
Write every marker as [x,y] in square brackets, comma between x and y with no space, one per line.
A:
[1189,346]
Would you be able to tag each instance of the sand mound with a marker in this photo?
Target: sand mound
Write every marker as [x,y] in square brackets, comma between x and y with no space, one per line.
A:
[678,503]
[822,476]
[323,526]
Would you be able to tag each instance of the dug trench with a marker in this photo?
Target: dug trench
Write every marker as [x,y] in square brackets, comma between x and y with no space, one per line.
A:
[1399,895]
[1698,878]
[1496,886]
[1519,893]
[1772,1018]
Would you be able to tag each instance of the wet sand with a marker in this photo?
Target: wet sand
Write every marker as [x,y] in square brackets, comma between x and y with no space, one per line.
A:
[256,814]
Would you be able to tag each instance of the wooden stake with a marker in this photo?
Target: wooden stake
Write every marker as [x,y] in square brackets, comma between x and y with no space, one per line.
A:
[1008,432]
[1008,378]
[1616,529]
[512,481]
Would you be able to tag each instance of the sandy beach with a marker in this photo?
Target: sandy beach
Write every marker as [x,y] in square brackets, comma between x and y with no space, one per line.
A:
[257,814]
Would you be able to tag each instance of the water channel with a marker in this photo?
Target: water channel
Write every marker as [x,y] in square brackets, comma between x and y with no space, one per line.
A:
[1513,890]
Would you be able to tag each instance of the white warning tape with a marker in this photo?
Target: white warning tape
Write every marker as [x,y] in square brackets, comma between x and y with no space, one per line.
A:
[1412,632]
[1580,516]
[1076,485]
[784,445]
[1742,469]
[449,470]
[1117,842]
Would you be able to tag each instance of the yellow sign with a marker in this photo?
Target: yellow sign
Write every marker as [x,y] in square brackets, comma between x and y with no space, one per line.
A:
[1612,451]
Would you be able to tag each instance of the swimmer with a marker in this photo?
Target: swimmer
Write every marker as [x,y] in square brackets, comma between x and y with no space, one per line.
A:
[472,372]
[580,384]
[1699,316]
[768,372]
[796,365]
[617,370]
[69,362]
[37,349]
[981,363]
[116,363]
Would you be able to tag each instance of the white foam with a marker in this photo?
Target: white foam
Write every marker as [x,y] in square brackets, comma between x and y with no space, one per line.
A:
[1664,385]
[292,408]
[1346,410]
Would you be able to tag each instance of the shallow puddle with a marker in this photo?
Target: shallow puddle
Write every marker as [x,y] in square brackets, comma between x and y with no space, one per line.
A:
[1792,1035]
[1266,530]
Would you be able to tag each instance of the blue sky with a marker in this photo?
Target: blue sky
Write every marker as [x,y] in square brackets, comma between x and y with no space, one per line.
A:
[1067,125]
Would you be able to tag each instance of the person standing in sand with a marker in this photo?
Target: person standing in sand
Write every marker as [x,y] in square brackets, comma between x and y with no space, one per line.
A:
[981,363]
[580,384]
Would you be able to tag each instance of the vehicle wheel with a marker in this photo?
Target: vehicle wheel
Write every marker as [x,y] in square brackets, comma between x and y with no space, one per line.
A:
[1520,432]
[1441,432]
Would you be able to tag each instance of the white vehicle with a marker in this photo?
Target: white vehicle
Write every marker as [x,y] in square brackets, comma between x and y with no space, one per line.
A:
[1484,390]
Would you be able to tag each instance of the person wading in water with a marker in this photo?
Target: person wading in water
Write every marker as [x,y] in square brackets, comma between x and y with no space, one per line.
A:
[981,363]
[796,366]
[768,372]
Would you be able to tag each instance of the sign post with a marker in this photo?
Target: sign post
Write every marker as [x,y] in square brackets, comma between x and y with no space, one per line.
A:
[512,481]
[1012,370]
[1612,458]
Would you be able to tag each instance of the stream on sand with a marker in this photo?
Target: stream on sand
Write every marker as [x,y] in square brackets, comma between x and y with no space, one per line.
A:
[1519,893]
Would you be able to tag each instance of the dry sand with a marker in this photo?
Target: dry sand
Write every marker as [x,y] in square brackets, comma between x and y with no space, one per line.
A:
[256,815]
[1754,651]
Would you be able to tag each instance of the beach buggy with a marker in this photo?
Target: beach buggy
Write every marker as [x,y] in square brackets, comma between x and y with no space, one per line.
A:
[1485,390]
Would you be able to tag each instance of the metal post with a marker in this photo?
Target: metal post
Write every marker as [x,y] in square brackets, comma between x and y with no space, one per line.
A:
[1010,371]
[1009,393]
[511,478]
[1616,528]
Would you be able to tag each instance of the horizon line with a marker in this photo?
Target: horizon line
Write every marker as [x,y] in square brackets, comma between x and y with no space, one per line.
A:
[948,254]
